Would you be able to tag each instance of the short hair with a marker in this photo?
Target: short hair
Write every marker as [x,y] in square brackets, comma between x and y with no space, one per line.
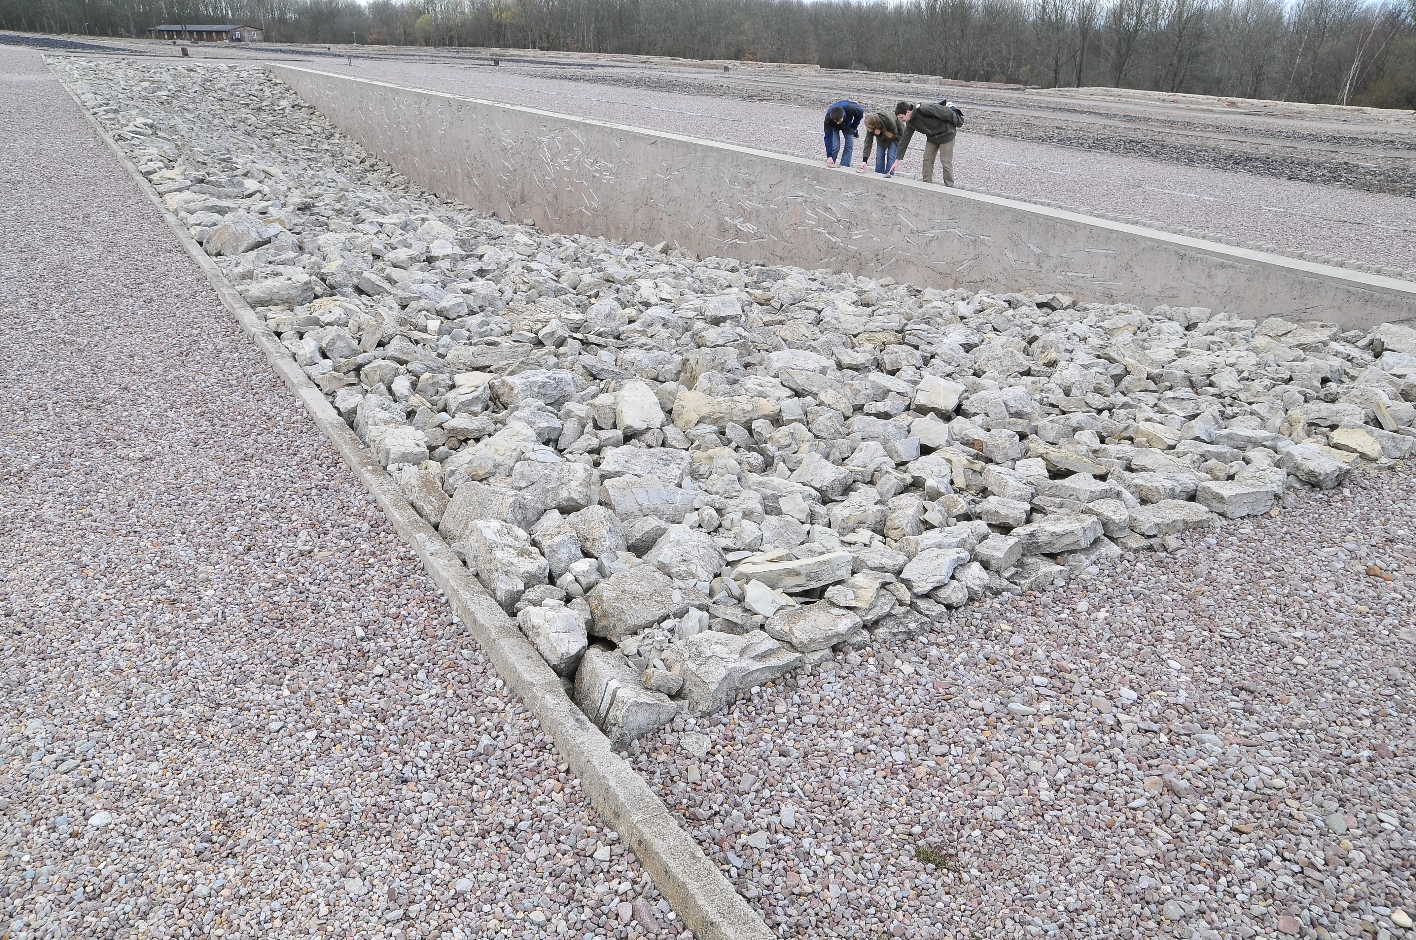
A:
[837,114]
[904,107]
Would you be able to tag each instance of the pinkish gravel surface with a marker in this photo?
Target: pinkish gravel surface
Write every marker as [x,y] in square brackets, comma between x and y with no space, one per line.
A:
[1216,742]
[1282,215]
[231,703]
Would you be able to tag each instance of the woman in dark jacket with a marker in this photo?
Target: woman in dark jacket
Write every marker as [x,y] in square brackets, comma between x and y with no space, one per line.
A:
[882,130]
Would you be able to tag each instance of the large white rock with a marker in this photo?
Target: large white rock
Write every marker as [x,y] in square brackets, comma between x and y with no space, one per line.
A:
[718,667]
[938,395]
[609,692]
[558,632]
[631,497]
[506,561]
[664,464]
[1169,517]
[1314,466]
[638,597]
[932,568]
[686,554]
[637,409]
[405,445]
[1055,534]
[554,387]
[816,626]
[1234,499]
[781,572]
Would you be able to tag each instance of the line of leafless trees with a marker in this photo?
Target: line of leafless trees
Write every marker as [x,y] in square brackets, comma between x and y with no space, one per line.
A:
[1334,51]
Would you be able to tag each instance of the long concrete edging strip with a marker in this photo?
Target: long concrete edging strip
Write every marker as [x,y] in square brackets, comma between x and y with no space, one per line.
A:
[693,885]
[572,174]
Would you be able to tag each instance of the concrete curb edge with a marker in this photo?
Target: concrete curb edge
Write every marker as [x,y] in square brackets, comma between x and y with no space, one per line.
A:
[697,891]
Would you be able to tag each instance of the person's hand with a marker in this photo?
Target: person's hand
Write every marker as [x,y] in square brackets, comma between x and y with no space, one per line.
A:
[861,168]
[892,167]
[830,161]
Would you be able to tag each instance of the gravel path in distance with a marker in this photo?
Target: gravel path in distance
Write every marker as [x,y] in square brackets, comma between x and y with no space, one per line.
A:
[1285,216]
[1215,742]
[231,702]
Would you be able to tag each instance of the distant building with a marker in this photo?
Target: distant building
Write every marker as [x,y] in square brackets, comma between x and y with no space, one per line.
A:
[208,33]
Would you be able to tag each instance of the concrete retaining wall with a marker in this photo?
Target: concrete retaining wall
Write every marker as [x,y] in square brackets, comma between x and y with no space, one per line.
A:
[581,176]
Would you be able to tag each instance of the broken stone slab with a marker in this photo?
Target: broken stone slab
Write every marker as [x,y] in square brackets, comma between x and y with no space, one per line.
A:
[289,292]
[641,534]
[965,535]
[879,558]
[694,408]
[760,599]
[631,600]
[558,632]
[932,568]
[863,594]
[402,445]
[1057,534]
[999,552]
[599,531]
[996,510]
[505,560]
[1233,499]
[816,626]
[1160,436]
[900,627]
[1356,441]
[686,554]
[631,497]
[1274,478]
[637,409]
[1114,514]
[562,485]
[238,233]
[1314,466]
[422,486]
[553,387]
[610,693]
[1061,460]
[938,396]
[793,575]
[718,667]
[665,464]
[1150,487]
[376,412]
[488,502]
[1169,517]
[827,479]
[494,456]
[862,510]
[557,542]
[782,532]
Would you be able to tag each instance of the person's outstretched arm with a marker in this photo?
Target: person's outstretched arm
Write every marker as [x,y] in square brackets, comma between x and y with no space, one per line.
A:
[904,145]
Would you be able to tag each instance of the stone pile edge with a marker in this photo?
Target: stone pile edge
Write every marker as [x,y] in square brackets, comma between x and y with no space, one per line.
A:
[696,890]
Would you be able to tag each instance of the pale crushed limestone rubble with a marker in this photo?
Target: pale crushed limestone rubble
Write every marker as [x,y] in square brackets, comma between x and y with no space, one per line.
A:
[664,446]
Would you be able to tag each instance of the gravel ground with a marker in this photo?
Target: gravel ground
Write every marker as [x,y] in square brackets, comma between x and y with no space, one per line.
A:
[1213,743]
[231,704]
[1287,216]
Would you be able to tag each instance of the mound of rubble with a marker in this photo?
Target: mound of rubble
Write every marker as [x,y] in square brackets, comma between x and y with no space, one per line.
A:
[686,478]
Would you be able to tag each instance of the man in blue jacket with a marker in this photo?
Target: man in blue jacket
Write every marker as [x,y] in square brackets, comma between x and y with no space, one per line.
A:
[842,125]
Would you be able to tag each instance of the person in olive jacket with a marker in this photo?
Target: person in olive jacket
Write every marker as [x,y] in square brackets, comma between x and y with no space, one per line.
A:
[841,126]
[882,130]
[938,123]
